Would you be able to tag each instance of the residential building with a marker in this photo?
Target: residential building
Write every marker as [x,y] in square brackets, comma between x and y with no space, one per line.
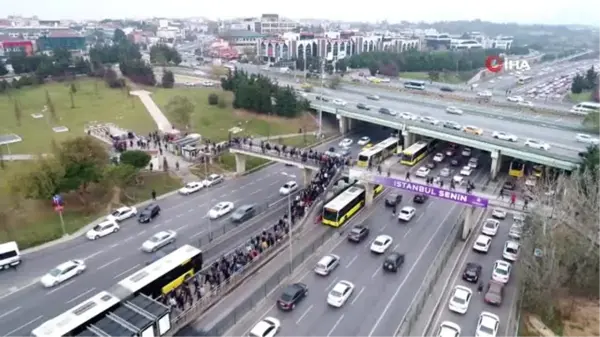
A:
[63,39]
[271,24]
[10,45]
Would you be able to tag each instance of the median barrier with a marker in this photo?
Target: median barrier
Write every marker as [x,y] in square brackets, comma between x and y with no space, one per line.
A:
[411,316]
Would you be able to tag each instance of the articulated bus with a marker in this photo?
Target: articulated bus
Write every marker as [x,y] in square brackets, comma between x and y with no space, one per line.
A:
[156,279]
[416,152]
[517,168]
[525,79]
[538,170]
[419,85]
[378,153]
[346,205]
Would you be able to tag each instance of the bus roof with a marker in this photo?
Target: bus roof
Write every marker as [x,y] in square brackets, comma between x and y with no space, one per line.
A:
[79,315]
[344,198]
[379,146]
[415,147]
[149,274]
[415,82]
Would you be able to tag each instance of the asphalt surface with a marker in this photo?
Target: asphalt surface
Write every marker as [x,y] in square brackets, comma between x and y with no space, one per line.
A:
[506,311]
[380,299]
[549,73]
[114,257]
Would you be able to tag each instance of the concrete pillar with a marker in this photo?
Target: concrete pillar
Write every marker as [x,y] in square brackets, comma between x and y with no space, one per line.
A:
[468,222]
[369,192]
[307,174]
[496,162]
[343,121]
[240,163]
[409,138]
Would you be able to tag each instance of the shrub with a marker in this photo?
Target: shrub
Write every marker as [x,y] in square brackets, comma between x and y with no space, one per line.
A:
[213,99]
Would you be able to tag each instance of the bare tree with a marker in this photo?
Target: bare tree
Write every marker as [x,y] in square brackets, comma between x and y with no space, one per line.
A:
[18,113]
[2,164]
[50,106]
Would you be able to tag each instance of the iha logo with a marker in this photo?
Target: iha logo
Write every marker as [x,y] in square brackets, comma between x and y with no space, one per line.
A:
[496,63]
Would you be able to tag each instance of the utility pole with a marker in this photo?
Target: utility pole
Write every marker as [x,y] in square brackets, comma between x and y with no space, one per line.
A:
[322,94]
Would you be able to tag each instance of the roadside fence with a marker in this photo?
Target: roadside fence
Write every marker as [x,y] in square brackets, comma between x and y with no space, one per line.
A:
[430,279]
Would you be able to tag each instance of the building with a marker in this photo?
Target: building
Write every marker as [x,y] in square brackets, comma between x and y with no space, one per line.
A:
[64,39]
[272,24]
[461,44]
[10,45]
[500,42]
[332,45]
[242,40]
[435,40]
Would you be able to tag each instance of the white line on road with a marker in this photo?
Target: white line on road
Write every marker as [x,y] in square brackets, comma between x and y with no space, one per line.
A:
[181,227]
[92,255]
[420,216]
[9,312]
[59,288]
[197,235]
[157,225]
[376,271]
[304,314]
[114,245]
[383,228]
[352,261]
[179,215]
[142,232]
[396,247]
[407,232]
[257,191]
[357,296]
[80,295]
[128,239]
[168,220]
[126,271]
[108,263]
[190,210]
[331,284]
[12,332]
[335,325]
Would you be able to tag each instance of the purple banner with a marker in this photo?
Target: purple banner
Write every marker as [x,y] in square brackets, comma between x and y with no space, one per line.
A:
[463,198]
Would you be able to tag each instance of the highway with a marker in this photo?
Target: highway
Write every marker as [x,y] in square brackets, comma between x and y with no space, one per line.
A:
[506,311]
[110,259]
[380,299]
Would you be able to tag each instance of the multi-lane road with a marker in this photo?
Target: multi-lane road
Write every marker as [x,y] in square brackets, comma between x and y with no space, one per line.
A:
[110,259]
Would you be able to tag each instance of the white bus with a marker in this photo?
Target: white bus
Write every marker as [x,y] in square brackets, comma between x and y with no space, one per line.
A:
[525,79]
[9,255]
[584,108]
[378,153]
[419,85]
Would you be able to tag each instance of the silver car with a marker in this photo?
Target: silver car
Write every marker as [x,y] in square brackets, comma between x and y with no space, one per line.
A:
[445,172]
[159,240]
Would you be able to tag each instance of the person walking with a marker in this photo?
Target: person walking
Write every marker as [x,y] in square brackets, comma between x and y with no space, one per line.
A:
[513,199]
[153,193]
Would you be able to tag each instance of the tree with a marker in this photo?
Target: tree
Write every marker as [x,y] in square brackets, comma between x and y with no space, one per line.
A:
[2,164]
[168,79]
[181,108]
[334,82]
[342,65]
[50,107]
[72,97]
[119,36]
[40,182]
[3,70]
[219,71]
[592,120]
[434,76]
[135,158]
[213,99]
[18,113]
[83,159]
[73,88]
[121,176]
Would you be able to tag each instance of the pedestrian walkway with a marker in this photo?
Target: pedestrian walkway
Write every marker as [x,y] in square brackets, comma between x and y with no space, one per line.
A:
[159,117]
[21,157]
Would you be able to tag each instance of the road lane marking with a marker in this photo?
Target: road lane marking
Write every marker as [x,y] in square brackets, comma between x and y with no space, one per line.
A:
[407,276]
[168,220]
[420,216]
[13,310]
[376,272]
[80,295]
[396,247]
[257,191]
[335,325]
[142,232]
[60,287]
[126,271]
[352,261]
[190,210]
[179,215]
[331,284]
[108,263]
[304,314]
[128,239]
[384,226]
[357,296]
[12,332]
[181,227]
[114,245]
[197,234]
[407,232]
[157,225]
[92,255]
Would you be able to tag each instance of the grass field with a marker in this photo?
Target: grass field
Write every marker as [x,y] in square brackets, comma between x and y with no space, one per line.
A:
[451,78]
[93,102]
[585,96]
[213,122]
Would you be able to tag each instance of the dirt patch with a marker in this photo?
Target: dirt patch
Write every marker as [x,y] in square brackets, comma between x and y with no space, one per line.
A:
[305,121]
[580,316]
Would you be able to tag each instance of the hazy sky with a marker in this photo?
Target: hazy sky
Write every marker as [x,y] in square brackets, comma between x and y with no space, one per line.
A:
[522,11]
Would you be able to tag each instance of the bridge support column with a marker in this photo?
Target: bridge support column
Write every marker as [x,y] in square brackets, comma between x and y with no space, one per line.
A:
[468,222]
[369,193]
[240,163]
[409,138]
[307,175]
[496,161]
[345,124]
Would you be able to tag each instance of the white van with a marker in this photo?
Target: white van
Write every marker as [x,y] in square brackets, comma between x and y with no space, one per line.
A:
[9,255]
[584,108]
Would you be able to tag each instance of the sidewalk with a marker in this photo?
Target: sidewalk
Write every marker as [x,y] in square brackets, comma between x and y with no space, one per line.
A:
[159,117]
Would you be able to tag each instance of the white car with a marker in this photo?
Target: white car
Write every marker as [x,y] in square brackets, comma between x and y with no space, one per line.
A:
[430,120]
[501,271]
[458,179]
[373,97]
[102,229]
[406,213]
[448,329]
[422,172]
[454,110]
[537,144]
[288,187]
[445,172]
[340,293]
[482,244]
[485,93]
[207,83]
[381,244]
[490,227]
[191,187]
[439,157]
[511,250]
[528,104]
[122,213]
[488,325]
[339,102]
[327,264]
[499,213]
[346,142]
[587,139]
[212,179]
[364,141]
[220,209]
[408,116]
[62,273]
[267,327]
[460,299]
[466,171]
[514,99]
[505,136]
[473,163]
[466,152]
[515,231]
[159,240]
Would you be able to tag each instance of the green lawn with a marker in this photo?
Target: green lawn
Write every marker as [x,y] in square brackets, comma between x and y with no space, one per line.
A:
[451,77]
[585,96]
[214,123]
[101,105]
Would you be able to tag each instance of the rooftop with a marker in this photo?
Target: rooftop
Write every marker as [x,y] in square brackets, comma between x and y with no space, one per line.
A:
[240,34]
